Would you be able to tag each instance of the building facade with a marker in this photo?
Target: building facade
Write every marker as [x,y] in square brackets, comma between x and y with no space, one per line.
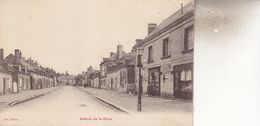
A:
[5,76]
[20,77]
[168,56]
[28,74]
[109,67]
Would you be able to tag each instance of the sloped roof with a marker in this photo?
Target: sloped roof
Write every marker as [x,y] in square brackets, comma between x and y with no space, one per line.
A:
[12,59]
[4,67]
[24,63]
[174,17]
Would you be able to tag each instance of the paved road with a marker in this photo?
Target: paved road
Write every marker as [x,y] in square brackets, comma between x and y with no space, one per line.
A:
[69,106]
[66,106]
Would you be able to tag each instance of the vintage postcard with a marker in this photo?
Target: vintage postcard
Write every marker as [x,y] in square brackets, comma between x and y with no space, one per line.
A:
[112,62]
[104,62]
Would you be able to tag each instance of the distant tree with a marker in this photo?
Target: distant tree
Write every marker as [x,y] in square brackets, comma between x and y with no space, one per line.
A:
[79,78]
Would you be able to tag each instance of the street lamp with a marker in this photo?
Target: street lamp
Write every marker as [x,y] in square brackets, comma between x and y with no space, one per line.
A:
[140,52]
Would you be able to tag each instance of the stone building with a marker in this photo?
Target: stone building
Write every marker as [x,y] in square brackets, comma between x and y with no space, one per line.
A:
[28,74]
[21,76]
[95,79]
[88,76]
[106,64]
[168,55]
[109,65]
[121,75]
[5,76]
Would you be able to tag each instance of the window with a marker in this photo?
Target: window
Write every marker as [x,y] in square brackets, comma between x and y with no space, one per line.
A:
[183,81]
[188,38]
[166,50]
[150,54]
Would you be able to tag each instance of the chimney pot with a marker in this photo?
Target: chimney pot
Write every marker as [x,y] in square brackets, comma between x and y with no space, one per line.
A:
[20,56]
[119,51]
[17,53]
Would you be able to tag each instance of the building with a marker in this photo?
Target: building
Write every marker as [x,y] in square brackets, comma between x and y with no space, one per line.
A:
[112,79]
[66,80]
[127,73]
[168,55]
[119,71]
[95,79]
[108,66]
[6,86]
[28,74]
[20,77]
[88,76]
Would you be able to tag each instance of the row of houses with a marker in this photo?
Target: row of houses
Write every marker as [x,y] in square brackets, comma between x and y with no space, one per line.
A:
[167,60]
[18,74]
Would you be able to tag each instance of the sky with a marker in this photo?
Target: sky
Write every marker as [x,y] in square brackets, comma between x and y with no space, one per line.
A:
[71,35]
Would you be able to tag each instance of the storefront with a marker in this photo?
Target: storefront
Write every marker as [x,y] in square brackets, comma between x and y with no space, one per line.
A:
[183,81]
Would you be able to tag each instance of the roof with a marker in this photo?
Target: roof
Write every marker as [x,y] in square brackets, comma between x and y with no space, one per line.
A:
[4,67]
[12,59]
[113,58]
[167,22]
[129,55]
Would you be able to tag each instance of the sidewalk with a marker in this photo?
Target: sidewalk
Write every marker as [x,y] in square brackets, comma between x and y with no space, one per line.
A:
[149,104]
[7,99]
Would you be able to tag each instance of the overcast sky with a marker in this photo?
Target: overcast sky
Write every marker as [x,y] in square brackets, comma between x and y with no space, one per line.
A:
[74,34]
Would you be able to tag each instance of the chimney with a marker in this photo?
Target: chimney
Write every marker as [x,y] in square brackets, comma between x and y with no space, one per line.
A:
[137,41]
[20,55]
[17,53]
[111,54]
[1,54]
[151,27]
[119,51]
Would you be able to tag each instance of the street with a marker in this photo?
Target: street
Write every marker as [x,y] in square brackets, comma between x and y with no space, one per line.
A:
[71,106]
[60,107]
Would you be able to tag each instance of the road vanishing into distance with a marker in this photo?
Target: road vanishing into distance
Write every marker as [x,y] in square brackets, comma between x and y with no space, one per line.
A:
[66,106]
[70,106]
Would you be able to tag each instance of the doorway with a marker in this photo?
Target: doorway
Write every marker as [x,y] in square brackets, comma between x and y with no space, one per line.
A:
[154,82]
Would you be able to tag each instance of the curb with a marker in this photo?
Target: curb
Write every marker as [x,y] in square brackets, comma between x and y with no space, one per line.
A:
[107,102]
[16,102]
[113,105]
[24,100]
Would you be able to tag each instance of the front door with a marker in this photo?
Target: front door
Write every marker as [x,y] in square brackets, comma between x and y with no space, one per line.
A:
[154,87]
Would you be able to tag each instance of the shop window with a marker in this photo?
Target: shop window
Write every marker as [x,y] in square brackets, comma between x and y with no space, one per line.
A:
[183,81]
